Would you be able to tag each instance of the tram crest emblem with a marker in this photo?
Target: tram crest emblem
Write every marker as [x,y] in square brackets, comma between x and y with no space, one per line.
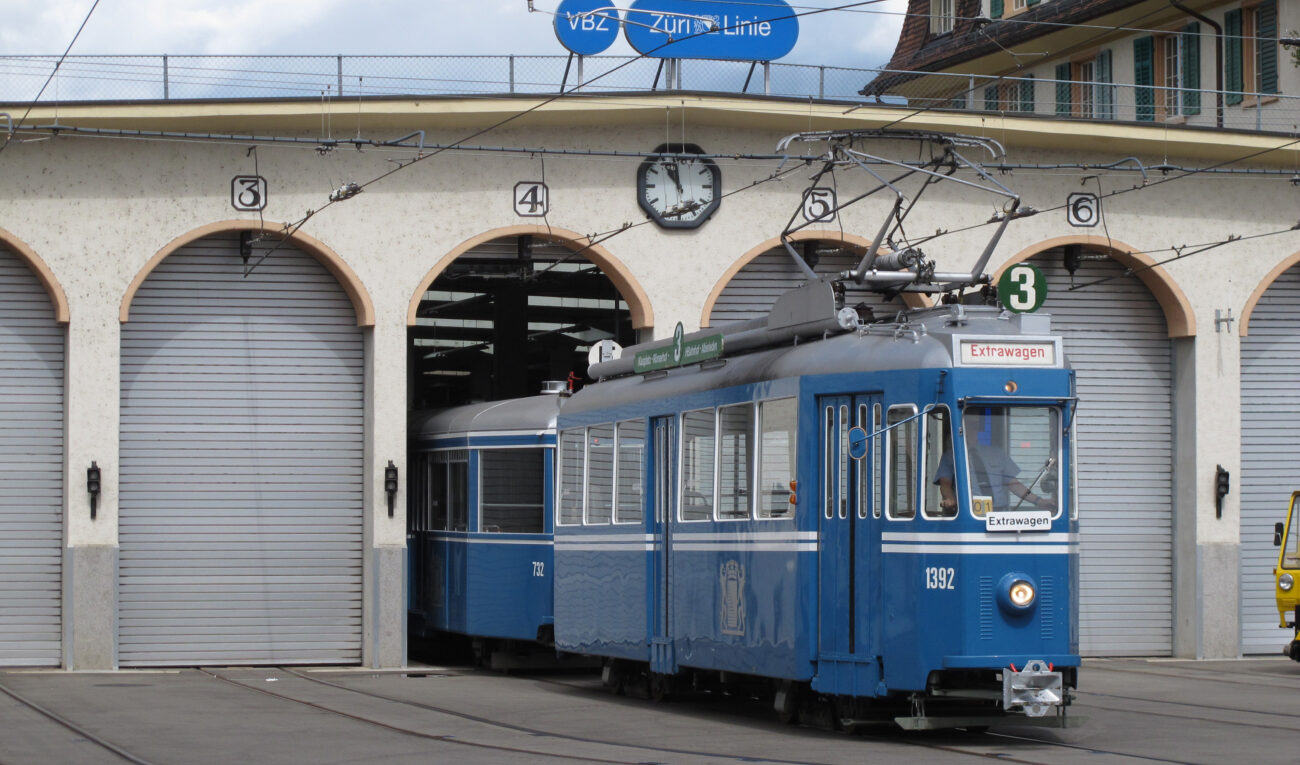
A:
[731,576]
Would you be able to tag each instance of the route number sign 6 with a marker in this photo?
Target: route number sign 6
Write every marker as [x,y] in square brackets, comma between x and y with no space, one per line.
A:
[1082,210]
[1022,288]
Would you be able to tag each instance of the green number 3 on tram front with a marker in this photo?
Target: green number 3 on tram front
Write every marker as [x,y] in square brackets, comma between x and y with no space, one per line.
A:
[1022,288]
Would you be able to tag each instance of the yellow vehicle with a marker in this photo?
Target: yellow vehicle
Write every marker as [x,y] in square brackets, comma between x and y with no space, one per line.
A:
[1287,536]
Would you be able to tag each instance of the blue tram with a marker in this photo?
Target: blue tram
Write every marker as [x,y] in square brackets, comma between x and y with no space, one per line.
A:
[480,519]
[867,520]
[875,524]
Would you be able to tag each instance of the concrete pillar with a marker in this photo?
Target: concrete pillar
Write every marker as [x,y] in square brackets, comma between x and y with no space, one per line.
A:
[1207,545]
[384,598]
[92,402]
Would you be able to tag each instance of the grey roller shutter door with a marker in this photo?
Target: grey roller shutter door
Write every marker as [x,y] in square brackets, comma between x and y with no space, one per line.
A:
[1270,469]
[241,490]
[1116,339]
[753,290]
[31,470]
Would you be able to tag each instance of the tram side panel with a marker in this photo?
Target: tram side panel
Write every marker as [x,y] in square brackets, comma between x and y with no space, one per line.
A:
[508,558]
[602,564]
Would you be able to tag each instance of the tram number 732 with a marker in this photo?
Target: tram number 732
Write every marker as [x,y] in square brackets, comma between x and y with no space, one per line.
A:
[940,578]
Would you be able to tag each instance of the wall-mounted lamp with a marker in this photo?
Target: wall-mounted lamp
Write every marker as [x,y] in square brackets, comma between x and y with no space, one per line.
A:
[390,485]
[1221,485]
[92,486]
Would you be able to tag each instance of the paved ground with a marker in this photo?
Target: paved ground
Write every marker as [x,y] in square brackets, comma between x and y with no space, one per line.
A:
[1137,711]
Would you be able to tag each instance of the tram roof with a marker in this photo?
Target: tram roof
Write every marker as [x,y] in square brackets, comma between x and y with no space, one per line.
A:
[923,339]
[509,415]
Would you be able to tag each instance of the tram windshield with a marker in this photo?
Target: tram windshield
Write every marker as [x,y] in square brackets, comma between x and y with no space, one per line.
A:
[1013,458]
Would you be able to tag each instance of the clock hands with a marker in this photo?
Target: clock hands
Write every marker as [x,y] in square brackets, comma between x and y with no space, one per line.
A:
[672,173]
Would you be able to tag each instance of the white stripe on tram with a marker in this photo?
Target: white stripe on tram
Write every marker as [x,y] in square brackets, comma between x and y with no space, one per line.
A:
[984,549]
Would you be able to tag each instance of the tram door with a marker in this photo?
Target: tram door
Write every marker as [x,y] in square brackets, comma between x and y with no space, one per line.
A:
[664,477]
[848,606]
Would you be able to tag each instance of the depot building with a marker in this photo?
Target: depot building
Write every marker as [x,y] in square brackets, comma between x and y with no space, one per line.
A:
[209,346]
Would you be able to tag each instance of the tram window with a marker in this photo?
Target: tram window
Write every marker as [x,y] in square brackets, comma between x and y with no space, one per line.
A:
[844,461]
[877,463]
[600,474]
[828,461]
[936,450]
[437,491]
[698,437]
[510,485]
[862,497]
[777,457]
[628,475]
[902,440]
[457,489]
[1012,458]
[735,463]
[572,469]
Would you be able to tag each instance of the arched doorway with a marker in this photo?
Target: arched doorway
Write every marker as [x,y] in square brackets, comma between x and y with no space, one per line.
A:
[512,308]
[32,310]
[1270,418]
[242,416]
[1116,327]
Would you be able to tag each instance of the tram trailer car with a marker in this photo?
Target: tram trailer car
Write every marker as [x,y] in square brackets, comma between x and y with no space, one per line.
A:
[480,520]
[715,523]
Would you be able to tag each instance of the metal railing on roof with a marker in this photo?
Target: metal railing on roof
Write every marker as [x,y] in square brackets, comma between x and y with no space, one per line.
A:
[207,77]
[173,77]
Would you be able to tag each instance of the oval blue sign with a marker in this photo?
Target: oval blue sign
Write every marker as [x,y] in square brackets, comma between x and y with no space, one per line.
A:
[586,35]
[857,443]
[758,31]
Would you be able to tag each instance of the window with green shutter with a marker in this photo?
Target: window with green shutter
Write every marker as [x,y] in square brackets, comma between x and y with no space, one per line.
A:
[1063,89]
[1232,59]
[1192,68]
[1266,47]
[1144,49]
[1104,96]
[1027,94]
[995,9]
[991,98]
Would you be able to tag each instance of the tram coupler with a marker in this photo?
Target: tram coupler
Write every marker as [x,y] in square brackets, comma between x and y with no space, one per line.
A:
[1035,690]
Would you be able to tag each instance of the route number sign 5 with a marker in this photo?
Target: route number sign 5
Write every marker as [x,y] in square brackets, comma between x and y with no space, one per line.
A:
[819,205]
[1022,288]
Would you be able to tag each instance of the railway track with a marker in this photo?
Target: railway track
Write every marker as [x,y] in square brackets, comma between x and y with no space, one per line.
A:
[501,737]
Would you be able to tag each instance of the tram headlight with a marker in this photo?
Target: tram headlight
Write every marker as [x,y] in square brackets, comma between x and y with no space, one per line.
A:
[1285,583]
[1021,593]
[1017,593]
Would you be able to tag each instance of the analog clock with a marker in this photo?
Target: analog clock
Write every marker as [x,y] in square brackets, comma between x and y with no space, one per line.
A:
[676,189]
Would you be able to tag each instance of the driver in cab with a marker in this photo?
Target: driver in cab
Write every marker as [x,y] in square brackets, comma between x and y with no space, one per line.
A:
[993,474]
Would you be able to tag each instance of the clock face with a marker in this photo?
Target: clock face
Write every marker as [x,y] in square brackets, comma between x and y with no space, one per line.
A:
[679,191]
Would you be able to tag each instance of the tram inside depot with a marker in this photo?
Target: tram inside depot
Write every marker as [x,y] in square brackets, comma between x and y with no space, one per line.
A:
[507,316]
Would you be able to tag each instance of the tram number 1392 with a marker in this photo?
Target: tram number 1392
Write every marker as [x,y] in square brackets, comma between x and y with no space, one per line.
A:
[940,578]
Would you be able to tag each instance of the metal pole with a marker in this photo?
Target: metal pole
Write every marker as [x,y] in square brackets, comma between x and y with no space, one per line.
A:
[166,89]
[512,74]
[767,78]
[821,82]
[578,84]
[340,75]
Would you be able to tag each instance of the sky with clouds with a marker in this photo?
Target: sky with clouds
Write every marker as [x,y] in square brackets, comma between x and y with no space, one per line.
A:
[859,37]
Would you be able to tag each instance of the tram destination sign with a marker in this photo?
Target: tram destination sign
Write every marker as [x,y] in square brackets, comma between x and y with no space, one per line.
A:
[763,30]
[1021,520]
[679,353]
[999,352]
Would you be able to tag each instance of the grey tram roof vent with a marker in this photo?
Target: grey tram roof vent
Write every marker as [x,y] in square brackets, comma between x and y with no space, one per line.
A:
[555,388]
